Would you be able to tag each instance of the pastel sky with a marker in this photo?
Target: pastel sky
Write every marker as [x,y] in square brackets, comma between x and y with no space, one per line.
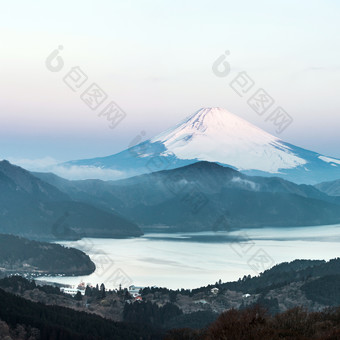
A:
[154,59]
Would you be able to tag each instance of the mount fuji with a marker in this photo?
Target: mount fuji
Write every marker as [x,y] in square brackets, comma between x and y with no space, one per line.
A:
[216,135]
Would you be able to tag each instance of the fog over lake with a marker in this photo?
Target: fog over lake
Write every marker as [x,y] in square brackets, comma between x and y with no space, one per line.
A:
[190,260]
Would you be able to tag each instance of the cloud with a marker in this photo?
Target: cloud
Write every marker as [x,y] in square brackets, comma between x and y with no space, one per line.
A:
[246,183]
[39,163]
[87,172]
[73,172]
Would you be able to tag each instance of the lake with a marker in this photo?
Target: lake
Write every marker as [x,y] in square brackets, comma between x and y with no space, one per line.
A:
[190,260]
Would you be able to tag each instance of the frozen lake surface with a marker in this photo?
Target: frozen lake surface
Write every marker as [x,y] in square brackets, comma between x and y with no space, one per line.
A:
[190,260]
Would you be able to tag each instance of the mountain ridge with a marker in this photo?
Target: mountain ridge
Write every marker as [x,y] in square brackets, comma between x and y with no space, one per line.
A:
[194,197]
[33,208]
[331,188]
[216,135]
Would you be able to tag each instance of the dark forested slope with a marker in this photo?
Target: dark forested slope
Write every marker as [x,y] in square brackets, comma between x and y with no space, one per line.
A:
[20,255]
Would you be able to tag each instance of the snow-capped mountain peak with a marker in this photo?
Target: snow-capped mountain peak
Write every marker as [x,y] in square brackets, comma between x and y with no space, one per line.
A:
[216,135]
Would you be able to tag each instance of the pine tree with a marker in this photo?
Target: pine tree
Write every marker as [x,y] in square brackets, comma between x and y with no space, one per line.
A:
[78,296]
[88,291]
[102,291]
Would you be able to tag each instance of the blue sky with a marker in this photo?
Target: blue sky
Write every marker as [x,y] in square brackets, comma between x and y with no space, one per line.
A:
[154,59]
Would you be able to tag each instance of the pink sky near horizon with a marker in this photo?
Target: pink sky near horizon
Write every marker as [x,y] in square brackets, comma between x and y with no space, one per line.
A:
[155,61]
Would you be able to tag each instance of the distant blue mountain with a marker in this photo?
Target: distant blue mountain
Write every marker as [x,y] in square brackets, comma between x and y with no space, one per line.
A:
[204,196]
[216,135]
[35,209]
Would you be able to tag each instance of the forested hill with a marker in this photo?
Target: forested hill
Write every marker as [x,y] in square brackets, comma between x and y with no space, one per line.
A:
[194,197]
[20,255]
[60,323]
[32,208]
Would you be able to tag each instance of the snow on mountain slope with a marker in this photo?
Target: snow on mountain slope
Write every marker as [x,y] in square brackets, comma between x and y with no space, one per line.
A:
[330,160]
[216,135]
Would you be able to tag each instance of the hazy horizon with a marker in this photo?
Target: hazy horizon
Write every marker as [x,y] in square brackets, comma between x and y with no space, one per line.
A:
[158,69]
